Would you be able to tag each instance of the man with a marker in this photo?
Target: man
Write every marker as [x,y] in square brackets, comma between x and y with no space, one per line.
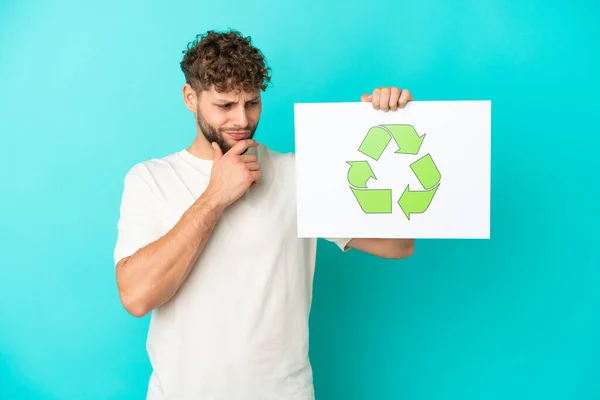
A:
[207,242]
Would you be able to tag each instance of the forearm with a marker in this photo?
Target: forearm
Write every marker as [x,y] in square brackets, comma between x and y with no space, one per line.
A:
[152,275]
[385,248]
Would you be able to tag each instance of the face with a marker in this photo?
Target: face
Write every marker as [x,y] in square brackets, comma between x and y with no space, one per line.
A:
[228,117]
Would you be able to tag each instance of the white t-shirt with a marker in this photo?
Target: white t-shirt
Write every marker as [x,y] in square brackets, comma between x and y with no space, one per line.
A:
[238,326]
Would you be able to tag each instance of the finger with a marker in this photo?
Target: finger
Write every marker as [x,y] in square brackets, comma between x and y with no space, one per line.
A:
[394,97]
[255,176]
[253,166]
[365,97]
[384,101]
[375,101]
[405,97]
[242,146]
[248,158]
[217,153]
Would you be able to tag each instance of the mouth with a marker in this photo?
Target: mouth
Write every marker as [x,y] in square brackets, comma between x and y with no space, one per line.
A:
[239,135]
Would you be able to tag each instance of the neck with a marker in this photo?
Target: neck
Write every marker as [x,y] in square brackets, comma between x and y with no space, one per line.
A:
[201,148]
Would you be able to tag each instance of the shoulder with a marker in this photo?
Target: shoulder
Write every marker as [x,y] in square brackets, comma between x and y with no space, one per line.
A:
[145,172]
[278,158]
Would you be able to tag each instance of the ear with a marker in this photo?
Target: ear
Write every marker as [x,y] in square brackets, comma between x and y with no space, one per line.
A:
[190,98]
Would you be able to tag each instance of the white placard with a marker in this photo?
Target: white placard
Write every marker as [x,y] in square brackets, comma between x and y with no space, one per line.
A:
[430,162]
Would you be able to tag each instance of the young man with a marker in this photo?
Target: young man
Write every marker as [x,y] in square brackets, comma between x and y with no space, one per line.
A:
[207,242]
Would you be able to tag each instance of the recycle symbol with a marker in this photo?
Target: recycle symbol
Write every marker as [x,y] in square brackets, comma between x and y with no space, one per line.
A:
[379,201]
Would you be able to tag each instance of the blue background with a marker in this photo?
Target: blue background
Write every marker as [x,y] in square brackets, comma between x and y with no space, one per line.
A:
[90,88]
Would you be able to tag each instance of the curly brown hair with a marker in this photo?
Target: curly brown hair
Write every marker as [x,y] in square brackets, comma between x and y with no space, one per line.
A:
[225,60]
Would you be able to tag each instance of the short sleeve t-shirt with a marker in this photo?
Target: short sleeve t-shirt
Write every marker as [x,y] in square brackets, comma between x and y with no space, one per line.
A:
[238,326]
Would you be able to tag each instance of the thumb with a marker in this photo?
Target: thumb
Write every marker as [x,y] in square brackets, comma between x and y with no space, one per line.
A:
[366,97]
[217,153]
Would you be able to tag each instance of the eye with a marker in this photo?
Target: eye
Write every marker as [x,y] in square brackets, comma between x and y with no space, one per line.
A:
[252,103]
[224,106]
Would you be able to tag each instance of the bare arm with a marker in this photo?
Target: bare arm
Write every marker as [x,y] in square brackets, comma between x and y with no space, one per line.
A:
[153,274]
[385,248]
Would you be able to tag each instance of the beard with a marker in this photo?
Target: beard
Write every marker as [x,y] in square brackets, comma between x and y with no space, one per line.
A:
[213,134]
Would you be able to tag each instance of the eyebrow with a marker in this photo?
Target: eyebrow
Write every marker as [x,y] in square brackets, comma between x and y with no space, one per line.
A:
[225,102]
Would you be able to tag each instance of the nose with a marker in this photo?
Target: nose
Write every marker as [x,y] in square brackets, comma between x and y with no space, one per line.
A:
[241,118]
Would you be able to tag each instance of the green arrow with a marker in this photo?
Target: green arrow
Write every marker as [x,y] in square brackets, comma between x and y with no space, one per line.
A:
[417,201]
[374,201]
[375,142]
[359,173]
[426,171]
[406,137]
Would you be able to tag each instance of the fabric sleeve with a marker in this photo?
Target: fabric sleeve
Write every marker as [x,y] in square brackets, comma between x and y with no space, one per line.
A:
[341,242]
[137,225]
